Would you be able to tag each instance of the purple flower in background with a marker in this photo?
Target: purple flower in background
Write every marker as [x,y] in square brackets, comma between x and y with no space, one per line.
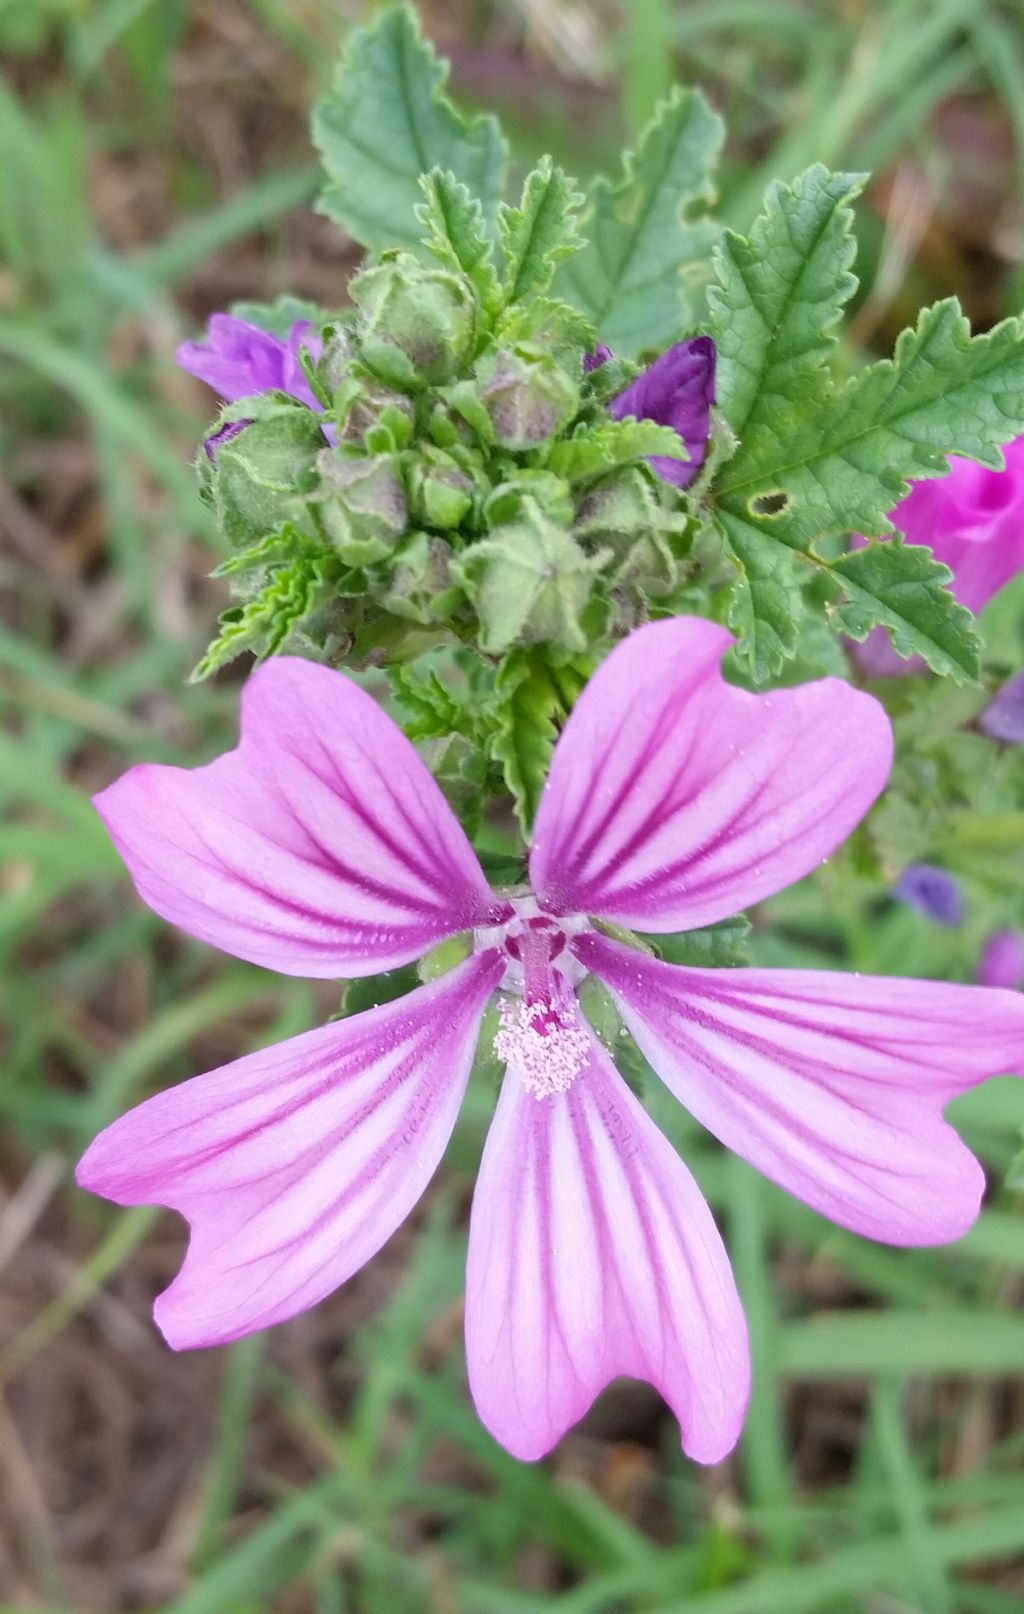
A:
[677,390]
[1002,960]
[932,892]
[1003,718]
[238,359]
[973,521]
[322,847]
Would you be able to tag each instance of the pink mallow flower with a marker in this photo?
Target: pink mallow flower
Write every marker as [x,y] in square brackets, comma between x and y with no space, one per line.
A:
[323,847]
[1002,960]
[973,521]
[239,360]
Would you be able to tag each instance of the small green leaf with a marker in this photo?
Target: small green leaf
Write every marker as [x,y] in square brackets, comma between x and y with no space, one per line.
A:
[387,121]
[902,587]
[264,623]
[434,711]
[456,237]
[644,244]
[610,444]
[540,233]
[523,743]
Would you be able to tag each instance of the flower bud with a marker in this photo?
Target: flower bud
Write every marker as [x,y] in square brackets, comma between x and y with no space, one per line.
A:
[362,506]
[623,514]
[335,357]
[259,475]
[441,495]
[417,323]
[528,398]
[532,583]
[421,588]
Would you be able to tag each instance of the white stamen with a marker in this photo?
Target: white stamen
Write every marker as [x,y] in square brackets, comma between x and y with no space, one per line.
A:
[545,1045]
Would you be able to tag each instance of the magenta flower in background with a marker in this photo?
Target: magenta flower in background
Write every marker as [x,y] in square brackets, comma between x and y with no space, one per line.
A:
[321,846]
[238,359]
[973,521]
[1003,717]
[1002,960]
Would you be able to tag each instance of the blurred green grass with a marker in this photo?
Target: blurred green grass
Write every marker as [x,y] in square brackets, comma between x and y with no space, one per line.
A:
[154,157]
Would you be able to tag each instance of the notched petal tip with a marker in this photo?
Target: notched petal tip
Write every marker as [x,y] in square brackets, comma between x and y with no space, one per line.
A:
[294,1165]
[320,846]
[675,799]
[593,1256]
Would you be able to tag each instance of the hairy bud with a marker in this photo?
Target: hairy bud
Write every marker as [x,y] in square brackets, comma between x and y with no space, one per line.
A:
[417,324]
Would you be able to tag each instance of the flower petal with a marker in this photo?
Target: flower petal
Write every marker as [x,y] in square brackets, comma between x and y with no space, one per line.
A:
[295,1164]
[832,1085]
[321,846]
[677,390]
[675,799]
[238,359]
[593,1254]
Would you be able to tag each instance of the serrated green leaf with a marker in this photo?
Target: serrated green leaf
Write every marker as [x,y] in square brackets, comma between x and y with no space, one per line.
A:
[265,622]
[385,122]
[524,739]
[540,233]
[815,460]
[779,296]
[285,544]
[903,587]
[456,236]
[766,603]
[644,244]
[610,444]
[844,467]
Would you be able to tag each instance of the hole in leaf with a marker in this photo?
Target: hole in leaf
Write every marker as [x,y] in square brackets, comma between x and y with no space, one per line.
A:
[769,504]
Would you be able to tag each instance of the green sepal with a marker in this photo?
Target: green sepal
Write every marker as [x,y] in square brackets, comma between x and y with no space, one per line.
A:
[419,585]
[530,582]
[370,991]
[417,325]
[262,475]
[362,506]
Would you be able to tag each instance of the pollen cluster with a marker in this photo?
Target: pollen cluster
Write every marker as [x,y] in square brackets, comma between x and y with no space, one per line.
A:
[544,1044]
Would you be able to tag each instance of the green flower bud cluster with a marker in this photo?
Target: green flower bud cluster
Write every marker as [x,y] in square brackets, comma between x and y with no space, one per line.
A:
[461,484]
